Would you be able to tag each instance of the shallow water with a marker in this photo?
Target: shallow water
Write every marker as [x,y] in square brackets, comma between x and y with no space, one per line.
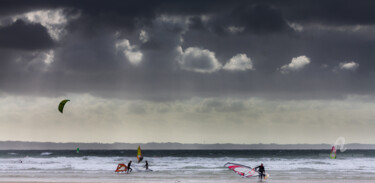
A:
[93,166]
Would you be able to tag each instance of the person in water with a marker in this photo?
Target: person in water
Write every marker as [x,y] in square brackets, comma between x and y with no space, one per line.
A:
[140,159]
[146,165]
[129,169]
[261,171]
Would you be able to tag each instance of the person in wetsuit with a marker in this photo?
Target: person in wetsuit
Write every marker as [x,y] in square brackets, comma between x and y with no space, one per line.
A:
[146,165]
[129,169]
[261,171]
[140,159]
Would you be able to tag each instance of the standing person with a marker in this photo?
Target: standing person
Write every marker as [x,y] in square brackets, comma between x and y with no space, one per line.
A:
[129,169]
[146,165]
[261,171]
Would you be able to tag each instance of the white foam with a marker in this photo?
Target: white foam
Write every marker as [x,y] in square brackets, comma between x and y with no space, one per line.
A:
[91,166]
[45,153]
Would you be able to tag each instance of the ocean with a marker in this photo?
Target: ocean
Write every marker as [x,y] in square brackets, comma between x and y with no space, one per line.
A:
[183,165]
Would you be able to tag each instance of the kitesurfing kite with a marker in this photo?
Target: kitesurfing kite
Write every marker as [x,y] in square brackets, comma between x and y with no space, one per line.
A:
[244,171]
[332,155]
[139,154]
[62,104]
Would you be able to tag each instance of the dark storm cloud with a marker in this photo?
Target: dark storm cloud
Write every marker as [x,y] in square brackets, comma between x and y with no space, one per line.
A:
[9,7]
[87,60]
[260,18]
[252,17]
[20,35]
[336,12]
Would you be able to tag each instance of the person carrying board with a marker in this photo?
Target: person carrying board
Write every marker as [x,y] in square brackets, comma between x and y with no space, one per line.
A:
[261,171]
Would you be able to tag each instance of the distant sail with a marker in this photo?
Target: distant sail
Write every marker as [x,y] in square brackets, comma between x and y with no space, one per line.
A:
[62,105]
[332,155]
[139,154]
[242,170]
[77,150]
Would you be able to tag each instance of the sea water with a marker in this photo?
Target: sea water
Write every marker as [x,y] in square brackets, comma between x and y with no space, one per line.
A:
[99,165]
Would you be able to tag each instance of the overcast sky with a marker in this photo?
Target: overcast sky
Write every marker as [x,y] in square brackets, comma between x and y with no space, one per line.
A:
[188,71]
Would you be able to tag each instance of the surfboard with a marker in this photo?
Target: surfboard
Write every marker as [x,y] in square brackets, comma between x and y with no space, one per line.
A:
[267,176]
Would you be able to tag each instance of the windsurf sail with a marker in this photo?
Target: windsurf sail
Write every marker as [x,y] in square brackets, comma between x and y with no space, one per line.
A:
[121,168]
[332,155]
[77,150]
[242,170]
[139,154]
[62,105]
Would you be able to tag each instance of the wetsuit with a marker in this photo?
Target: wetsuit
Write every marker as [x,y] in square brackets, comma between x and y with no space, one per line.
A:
[261,171]
[129,169]
[146,166]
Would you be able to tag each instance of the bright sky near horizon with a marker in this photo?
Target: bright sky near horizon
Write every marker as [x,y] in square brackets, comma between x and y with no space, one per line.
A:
[190,72]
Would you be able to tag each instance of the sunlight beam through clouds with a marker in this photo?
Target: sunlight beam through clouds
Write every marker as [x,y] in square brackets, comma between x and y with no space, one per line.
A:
[85,113]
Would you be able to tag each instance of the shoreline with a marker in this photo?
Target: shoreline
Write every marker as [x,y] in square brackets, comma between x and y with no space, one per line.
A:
[194,180]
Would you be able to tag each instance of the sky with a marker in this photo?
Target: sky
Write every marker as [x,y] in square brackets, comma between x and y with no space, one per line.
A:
[242,72]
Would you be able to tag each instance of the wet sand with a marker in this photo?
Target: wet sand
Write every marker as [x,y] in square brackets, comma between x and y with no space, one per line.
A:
[202,181]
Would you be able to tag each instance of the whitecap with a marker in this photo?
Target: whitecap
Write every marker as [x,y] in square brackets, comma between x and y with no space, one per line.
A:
[45,153]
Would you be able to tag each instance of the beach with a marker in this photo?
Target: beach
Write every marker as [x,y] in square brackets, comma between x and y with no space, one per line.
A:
[308,166]
[167,178]
[189,179]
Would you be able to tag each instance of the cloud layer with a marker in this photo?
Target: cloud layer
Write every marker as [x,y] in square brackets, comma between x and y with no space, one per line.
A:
[187,121]
[185,67]
[94,47]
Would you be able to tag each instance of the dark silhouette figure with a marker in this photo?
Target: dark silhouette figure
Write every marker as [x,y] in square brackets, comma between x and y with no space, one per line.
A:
[129,169]
[261,171]
[140,159]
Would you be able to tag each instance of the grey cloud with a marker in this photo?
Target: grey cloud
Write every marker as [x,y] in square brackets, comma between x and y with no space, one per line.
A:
[349,66]
[198,60]
[218,105]
[330,12]
[260,18]
[137,108]
[86,59]
[195,23]
[163,108]
[239,62]
[20,35]
[161,91]
[296,64]
[251,17]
